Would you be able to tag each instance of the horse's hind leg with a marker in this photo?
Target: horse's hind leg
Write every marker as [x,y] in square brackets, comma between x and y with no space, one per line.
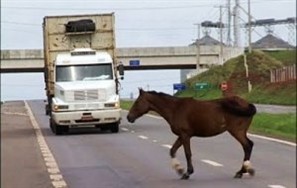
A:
[246,167]
[247,146]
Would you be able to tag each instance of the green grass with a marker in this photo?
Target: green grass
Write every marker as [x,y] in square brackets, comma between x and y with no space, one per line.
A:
[282,126]
[275,125]
[279,94]
[233,71]
[288,57]
[126,104]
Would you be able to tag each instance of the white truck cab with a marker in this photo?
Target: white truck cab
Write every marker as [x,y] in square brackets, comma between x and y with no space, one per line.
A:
[85,91]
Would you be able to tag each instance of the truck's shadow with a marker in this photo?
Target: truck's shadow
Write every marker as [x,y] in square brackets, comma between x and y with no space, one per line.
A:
[78,131]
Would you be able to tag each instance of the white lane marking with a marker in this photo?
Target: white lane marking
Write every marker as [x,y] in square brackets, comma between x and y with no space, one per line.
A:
[59,184]
[273,139]
[154,116]
[56,177]
[132,131]
[276,186]
[50,162]
[253,135]
[167,146]
[124,129]
[143,137]
[14,113]
[155,141]
[213,163]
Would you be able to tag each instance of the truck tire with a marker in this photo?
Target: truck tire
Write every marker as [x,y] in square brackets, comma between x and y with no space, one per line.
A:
[47,110]
[48,106]
[114,128]
[57,129]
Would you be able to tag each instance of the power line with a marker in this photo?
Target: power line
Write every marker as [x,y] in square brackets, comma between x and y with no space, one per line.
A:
[154,29]
[108,9]
[133,9]
[123,29]
[20,23]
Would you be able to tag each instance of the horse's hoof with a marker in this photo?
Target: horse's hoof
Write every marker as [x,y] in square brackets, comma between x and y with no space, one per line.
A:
[180,171]
[251,171]
[238,175]
[185,176]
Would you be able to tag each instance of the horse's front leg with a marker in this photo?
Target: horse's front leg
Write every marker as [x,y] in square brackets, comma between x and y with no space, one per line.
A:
[176,165]
[187,147]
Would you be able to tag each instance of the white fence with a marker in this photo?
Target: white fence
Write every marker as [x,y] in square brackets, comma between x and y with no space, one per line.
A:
[283,74]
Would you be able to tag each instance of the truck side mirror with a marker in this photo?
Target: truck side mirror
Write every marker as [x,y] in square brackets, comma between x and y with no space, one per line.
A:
[121,70]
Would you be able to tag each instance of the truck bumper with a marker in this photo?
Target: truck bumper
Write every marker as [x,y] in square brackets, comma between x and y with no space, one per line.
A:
[87,117]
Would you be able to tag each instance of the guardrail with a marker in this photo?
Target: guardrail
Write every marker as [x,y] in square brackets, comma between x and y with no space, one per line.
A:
[283,74]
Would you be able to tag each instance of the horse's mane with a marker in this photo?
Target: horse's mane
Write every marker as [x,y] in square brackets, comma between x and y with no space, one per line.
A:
[160,94]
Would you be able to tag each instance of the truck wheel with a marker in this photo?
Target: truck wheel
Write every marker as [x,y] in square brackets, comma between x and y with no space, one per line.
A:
[114,128]
[52,125]
[61,129]
[57,129]
[47,110]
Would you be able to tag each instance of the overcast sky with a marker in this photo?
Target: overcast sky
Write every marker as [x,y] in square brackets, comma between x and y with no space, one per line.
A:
[143,23]
[138,23]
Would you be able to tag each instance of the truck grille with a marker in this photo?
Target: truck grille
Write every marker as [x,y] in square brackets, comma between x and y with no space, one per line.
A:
[86,95]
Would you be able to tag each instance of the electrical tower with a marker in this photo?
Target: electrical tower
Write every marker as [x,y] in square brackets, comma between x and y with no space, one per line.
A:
[229,40]
[231,31]
[268,25]
[236,29]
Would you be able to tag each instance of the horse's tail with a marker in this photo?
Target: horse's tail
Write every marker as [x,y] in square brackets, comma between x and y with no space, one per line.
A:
[236,107]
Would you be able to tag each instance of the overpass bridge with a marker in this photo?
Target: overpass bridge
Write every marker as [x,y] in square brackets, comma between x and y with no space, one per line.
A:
[183,57]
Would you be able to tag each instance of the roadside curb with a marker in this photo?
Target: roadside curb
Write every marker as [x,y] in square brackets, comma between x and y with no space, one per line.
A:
[273,139]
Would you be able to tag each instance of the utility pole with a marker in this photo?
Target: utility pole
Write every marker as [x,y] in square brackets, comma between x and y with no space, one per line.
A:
[198,48]
[221,35]
[249,26]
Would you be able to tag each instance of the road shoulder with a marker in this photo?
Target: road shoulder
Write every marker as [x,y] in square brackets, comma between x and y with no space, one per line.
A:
[22,164]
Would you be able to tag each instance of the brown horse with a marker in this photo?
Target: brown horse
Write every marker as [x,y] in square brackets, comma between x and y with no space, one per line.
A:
[188,117]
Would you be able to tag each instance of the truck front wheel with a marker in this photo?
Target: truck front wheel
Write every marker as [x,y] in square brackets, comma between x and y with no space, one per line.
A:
[57,129]
[114,128]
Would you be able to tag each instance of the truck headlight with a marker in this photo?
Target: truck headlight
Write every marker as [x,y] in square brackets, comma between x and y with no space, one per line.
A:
[112,105]
[60,107]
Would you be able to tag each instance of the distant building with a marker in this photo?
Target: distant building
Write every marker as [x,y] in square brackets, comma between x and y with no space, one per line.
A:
[271,43]
[207,41]
[210,45]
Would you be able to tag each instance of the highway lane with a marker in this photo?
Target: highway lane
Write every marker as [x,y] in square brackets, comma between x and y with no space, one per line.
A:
[138,157]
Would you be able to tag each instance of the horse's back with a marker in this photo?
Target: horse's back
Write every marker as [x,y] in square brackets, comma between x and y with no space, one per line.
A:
[212,117]
[233,105]
[202,118]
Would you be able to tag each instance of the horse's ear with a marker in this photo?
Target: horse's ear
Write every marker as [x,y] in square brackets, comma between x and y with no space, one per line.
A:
[140,90]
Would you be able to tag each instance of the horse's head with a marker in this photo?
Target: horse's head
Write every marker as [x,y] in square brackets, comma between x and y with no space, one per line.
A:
[140,107]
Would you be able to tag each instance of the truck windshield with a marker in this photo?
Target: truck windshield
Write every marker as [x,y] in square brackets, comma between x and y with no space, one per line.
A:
[83,72]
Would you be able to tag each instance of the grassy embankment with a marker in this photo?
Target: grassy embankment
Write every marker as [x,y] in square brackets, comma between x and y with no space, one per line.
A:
[234,73]
[276,125]
[281,126]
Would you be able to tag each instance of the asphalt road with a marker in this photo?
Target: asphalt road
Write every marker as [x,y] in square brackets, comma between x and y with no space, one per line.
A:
[275,109]
[138,157]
